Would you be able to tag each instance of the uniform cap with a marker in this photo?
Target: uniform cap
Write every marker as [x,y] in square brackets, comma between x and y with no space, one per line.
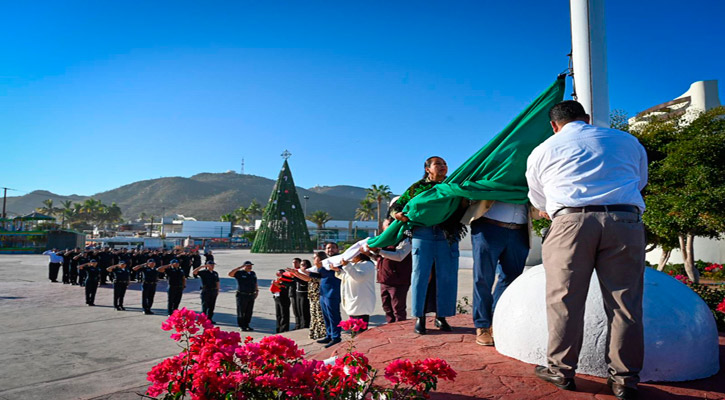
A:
[93,260]
[210,262]
[174,261]
[248,263]
[122,262]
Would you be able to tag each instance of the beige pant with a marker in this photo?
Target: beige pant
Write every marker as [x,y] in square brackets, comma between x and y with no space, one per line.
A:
[612,243]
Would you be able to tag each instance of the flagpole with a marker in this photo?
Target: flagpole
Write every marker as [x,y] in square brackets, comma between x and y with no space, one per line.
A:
[589,56]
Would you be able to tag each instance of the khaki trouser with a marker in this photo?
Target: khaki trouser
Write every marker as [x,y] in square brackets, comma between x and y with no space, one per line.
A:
[612,243]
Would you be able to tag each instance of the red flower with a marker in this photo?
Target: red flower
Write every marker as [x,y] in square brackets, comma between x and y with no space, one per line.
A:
[353,325]
[721,307]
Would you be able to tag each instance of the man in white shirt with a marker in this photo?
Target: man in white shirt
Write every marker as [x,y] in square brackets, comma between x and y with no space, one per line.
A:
[588,179]
[499,236]
[54,264]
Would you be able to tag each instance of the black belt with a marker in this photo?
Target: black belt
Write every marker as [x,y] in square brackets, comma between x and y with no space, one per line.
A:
[240,292]
[609,208]
[506,225]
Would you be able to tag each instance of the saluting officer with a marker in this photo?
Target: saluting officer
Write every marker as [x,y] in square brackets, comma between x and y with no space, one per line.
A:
[195,260]
[177,283]
[121,276]
[209,288]
[150,276]
[92,273]
[247,291]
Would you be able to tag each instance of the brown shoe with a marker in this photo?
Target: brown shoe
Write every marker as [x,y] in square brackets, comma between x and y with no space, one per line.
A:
[484,337]
[620,391]
[562,383]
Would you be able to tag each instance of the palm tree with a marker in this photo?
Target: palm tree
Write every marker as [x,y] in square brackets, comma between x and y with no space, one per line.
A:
[319,218]
[48,208]
[143,217]
[231,217]
[254,210]
[242,214]
[365,212]
[66,211]
[378,193]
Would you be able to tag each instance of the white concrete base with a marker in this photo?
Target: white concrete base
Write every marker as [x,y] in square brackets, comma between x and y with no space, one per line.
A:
[681,339]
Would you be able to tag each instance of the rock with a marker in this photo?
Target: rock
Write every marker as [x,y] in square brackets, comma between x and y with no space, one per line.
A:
[681,338]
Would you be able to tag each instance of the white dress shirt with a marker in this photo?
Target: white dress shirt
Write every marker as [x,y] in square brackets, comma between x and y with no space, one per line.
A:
[358,288]
[508,213]
[584,165]
[401,251]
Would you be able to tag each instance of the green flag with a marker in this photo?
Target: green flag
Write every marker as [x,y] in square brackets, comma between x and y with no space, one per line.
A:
[495,172]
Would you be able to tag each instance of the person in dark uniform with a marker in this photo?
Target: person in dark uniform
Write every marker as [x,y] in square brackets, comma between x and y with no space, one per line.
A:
[80,259]
[66,266]
[73,256]
[247,292]
[150,276]
[302,301]
[208,256]
[185,262]
[293,295]
[105,259]
[121,276]
[280,291]
[209,288]
[195,260]
[92,274]
[177,283]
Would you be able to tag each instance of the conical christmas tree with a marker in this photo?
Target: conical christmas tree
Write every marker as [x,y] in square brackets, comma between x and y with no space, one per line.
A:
[283,228]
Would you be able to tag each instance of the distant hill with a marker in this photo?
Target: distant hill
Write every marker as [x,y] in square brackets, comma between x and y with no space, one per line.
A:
[204,196]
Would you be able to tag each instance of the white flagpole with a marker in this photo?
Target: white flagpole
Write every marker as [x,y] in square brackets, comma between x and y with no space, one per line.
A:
[589,55]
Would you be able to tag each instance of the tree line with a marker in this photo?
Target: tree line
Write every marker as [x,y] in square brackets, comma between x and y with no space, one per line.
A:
[85,215]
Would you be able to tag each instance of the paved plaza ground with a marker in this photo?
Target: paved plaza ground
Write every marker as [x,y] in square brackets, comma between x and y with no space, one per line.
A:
[56,347]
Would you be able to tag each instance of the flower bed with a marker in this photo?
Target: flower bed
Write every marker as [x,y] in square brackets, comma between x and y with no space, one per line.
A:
[713,297]
[215,364]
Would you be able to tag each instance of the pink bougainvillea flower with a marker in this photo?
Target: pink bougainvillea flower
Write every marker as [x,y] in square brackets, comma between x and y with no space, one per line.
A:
[721,307]
[353,325]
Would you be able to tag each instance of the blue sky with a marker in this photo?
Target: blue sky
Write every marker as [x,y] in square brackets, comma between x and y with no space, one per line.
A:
[95,95]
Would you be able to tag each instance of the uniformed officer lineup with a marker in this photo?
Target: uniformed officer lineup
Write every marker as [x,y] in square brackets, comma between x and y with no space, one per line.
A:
[314,294]
[90,268]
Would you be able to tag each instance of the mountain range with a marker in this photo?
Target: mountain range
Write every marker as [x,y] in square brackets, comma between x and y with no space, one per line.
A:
[205,196]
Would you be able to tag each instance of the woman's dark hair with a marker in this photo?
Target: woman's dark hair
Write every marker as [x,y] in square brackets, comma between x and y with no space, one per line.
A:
[321,255]
[427,164]
[363,257]
[306,263]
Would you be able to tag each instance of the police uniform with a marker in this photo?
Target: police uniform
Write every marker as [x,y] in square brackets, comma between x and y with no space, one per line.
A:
[92,274]
[150,276]
[80,274]
[209,291]
[175,276]
[121,276]
[246,293]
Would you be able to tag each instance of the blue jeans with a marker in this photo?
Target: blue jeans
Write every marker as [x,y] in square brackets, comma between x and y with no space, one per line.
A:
[493,245]
[330,304]
[431,246]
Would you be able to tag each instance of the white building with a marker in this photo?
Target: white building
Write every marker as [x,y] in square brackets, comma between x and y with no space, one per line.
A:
[702,96]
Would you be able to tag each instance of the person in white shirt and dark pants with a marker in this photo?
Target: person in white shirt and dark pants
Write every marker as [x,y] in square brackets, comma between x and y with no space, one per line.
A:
[54,264]
[589,179]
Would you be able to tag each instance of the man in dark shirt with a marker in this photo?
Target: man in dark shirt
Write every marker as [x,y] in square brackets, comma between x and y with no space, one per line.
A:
[185,262]
[177,283]
[121,276]
[195,260]
[209,288]
[66,266]
[80,259]
[292,294]
[92,274]
[104,258]
[150,276]
[247,291]
[72,255]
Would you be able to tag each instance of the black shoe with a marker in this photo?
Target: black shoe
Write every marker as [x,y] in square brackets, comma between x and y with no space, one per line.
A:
[249,328]
[148,312]
[122,308]
[245,329]
[325,340]
[442,324]
[91,304]
[118,308]
[562,383]
[621,391]
[54,281]
[333,342]
[420,326]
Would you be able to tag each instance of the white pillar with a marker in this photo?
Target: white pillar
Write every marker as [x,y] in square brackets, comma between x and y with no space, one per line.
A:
[589,54]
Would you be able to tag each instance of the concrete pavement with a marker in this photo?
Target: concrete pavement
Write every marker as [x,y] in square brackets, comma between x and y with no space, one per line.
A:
[57,347]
